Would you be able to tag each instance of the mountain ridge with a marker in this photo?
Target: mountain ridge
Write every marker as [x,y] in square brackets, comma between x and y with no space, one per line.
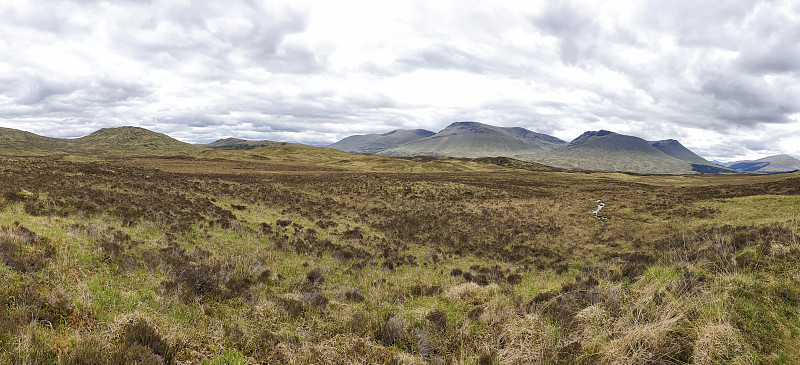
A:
[609,151]
[781,163]
[376,143]
[473,139]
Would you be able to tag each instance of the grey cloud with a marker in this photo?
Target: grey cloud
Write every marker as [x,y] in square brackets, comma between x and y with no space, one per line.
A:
[81,92]
[574,29]
[443,56]
[34,90]
[699,24]
[190,30]
[746,100]
[250,69]
[774,48]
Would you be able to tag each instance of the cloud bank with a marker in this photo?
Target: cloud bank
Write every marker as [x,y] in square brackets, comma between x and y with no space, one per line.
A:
[720,77]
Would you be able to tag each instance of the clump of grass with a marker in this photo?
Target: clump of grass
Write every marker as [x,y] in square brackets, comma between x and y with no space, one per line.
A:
[24,250]
[530,339]
[719,343]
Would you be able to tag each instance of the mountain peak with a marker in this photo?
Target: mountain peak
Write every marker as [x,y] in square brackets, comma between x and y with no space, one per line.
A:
[468,127]
[589,135]
[473,139]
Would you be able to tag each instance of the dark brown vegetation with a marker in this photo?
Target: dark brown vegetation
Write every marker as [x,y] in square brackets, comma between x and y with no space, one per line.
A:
[181,260]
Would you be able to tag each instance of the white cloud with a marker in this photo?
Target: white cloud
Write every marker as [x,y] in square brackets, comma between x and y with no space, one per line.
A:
[720,77]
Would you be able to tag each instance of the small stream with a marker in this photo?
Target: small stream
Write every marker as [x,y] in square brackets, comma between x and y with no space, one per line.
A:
[596,212]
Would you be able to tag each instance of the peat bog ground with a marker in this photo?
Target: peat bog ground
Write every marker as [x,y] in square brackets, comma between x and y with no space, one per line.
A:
[266,257]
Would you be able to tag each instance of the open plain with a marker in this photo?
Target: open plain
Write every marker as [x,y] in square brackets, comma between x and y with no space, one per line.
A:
[293,254]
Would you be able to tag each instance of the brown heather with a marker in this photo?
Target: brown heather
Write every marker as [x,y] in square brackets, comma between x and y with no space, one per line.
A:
[290,254]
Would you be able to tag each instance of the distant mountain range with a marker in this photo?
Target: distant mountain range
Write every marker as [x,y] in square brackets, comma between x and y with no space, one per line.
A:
[609,151]
[767,165]
[594,150]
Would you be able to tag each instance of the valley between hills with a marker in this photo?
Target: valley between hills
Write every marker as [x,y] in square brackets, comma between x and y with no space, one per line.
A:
[129,247]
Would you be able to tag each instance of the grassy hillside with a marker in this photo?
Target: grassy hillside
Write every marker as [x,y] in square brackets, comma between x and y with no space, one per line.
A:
[239,144]
[17,142]
[122,141]
[307,255]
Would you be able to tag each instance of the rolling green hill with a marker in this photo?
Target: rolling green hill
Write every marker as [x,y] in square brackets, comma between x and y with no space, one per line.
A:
[239,144]
[122,141]
[14,141]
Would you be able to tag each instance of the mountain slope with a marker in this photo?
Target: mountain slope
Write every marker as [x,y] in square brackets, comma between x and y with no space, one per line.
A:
[122,141]
[239,144]
[17,142]
[771,164]
[676,149]
[375,143]
[471,139]
[609,151]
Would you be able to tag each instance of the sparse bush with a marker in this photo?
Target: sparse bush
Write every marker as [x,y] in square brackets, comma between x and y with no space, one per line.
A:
[142,344]
[292,304]
[514,279]
[314,277]
[315,299]
[360,322]
[424,344]
[353,296]
[24,250]
[437,319]
[394,331]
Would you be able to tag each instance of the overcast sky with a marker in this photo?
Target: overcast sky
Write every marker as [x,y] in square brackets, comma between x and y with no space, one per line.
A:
[722,77]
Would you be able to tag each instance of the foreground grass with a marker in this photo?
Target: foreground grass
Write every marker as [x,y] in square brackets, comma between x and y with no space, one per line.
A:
[287,261]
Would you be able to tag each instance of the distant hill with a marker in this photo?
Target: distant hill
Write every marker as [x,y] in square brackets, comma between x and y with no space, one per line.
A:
[676,149]
[239,144]
[14,141]
[376,143]
[122,141]
[472,139]
[609,151]
[767,165]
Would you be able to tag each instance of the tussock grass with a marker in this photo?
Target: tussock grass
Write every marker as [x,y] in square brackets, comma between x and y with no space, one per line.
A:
[375,260]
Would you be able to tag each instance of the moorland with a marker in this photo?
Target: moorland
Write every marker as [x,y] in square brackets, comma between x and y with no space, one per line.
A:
[293,254]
